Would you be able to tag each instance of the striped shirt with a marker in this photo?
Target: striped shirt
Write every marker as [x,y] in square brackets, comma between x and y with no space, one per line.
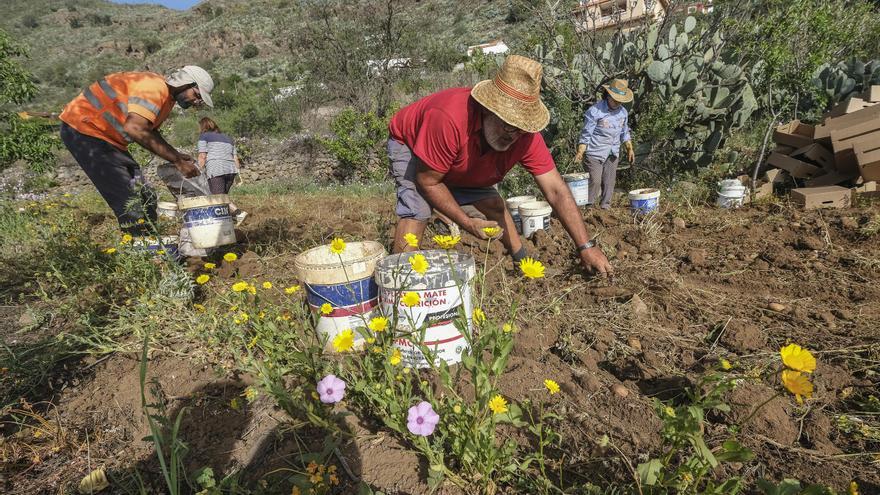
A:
[221,154]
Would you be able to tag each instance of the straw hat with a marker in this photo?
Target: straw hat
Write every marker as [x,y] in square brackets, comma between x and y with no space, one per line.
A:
[514,95]
[619,90]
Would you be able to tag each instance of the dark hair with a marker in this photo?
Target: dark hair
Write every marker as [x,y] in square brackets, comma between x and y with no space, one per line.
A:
[208,125]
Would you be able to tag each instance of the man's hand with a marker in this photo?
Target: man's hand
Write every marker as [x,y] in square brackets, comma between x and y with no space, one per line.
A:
[630,154]
[579,156]
[476,226]
[186,165]
[594,261]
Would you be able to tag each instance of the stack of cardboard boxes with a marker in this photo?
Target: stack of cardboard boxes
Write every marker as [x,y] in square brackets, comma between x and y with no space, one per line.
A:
[831,161]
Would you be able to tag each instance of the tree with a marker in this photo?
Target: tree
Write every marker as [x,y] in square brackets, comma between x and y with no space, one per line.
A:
[249,51]
[20,138]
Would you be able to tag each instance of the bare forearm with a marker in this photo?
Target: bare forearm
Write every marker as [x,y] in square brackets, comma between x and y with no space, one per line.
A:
[566,209]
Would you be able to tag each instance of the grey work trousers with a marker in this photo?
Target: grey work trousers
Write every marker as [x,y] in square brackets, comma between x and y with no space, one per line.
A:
[603,175]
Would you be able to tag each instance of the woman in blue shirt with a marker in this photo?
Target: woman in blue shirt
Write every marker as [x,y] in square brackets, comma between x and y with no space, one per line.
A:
[606,126]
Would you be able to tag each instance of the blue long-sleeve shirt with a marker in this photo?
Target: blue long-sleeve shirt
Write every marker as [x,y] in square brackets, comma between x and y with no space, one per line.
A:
[604,130]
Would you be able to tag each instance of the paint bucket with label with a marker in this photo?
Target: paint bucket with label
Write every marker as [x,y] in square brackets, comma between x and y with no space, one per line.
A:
[643,201]
[444,292]
[513,206]
[731,193]
[345,282]
[535,216]
[579,184]
[208,220]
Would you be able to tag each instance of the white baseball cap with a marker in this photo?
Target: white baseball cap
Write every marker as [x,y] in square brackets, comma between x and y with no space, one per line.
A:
[194,74]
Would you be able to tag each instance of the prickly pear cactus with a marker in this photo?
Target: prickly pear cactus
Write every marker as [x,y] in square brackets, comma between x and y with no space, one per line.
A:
[839,82]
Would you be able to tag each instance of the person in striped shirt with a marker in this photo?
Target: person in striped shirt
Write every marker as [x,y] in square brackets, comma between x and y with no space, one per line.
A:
[218,160]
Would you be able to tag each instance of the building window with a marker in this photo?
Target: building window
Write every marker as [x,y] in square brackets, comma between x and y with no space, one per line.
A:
[612,8]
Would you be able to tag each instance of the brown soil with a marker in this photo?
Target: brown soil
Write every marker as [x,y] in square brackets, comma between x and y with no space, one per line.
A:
[686,294]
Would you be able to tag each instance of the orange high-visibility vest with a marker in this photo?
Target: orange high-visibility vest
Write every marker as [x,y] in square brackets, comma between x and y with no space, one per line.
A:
[101,109]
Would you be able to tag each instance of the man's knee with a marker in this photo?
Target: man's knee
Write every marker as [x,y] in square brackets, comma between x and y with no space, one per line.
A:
[493,207]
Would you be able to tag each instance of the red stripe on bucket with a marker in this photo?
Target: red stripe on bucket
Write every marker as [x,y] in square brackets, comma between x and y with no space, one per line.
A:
[355,310]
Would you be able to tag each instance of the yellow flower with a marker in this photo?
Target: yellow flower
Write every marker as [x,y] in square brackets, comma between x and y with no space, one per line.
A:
[418,263]
[160,252]
[267,285]
[312,468]
[251,289]
[491,231]
[479,316]
[798,358]
[410,299]
[333,479]
[295,490]
[126,238]
[343,341]
[498,405]
[250,394]
[210,266]
[411,239]
[243,317]
[337,246]
[379,324]
[230,257]
[292,289]
[507,328]
[669,411]
[446,241]
[798,384]
[326,309]
[456,409]
[371,340]
[199,307]
[531,268]
[725,364]
[853,488]
[140,221]
[109,250]
[395,357]
[239,286]
[552,386]
[202,279]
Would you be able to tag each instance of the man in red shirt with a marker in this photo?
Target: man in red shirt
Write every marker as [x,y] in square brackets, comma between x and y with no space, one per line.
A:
[448,149]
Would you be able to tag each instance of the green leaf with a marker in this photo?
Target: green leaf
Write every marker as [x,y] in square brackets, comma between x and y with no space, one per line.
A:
[689,24]
[649,471]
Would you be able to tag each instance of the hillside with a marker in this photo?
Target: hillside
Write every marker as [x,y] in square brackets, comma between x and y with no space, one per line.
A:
[76,41]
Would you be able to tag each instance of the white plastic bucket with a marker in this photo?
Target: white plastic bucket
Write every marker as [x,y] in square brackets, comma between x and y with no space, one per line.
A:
[535,216]
[579,184]
[167,209]
[346,285]
[444,295]
[513,206]
[731,193]
[168,244]
[208,220]
[644,200]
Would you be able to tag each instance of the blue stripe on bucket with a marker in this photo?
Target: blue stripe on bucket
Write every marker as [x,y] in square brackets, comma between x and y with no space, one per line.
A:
[206,213]
[342,295]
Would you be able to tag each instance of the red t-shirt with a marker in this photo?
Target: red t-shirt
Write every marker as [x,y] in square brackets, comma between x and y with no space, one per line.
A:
[443,130]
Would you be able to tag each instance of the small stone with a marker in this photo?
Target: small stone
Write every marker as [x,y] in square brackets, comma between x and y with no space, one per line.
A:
[26,320]
[779,308]
[619,390]
[638,307]
[634,343]
[849,223]
[678,223]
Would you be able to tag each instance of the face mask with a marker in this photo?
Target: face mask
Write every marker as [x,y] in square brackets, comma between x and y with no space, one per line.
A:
[182,102]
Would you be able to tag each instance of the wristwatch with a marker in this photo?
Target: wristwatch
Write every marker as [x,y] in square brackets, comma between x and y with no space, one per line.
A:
[587,245]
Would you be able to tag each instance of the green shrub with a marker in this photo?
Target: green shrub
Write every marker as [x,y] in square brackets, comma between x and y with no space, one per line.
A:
[249,51]
[357,143]
[29,21]
[152,46]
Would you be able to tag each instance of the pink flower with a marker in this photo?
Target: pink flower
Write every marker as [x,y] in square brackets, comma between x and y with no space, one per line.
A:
[331,389]
[422,419]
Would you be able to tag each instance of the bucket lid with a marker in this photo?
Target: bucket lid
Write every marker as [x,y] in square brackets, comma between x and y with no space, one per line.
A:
[516,200]
[445,269]
[648,193]
[729,183]
[576,177]
[202,201]
[534,208]
[166,205]
[319,265]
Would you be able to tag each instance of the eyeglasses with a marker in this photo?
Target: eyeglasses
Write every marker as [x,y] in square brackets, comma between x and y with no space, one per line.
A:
[510,129]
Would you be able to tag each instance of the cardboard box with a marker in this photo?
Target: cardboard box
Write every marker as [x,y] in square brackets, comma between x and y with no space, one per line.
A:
[831,178]
[795,167]
[849,105]
[794,134]
[817,154]
[783,150]
[822,197]
[865,187]
[868,162]
[823,132]
[872,94]
[867,130]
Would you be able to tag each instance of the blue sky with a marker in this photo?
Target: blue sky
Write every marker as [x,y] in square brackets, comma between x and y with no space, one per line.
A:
[174,4]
